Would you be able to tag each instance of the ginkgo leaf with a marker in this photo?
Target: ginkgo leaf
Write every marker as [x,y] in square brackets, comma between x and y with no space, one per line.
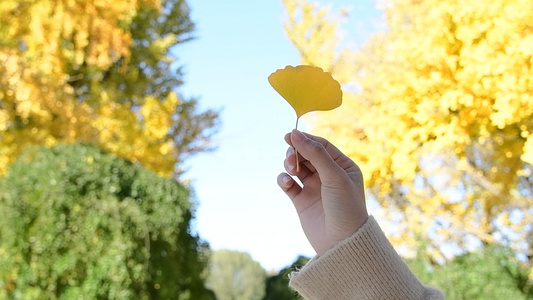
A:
[307,88]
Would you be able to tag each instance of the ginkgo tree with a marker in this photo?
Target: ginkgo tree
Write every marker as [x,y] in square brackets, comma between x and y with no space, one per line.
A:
[438,111]
[101,72]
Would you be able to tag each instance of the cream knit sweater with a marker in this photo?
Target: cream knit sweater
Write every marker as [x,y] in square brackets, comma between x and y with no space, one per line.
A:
[364,266]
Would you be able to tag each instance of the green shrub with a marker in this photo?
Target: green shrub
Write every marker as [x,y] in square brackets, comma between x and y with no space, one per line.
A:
[79,223]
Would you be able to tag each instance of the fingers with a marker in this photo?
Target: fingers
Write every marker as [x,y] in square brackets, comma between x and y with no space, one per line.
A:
[288,185]
[318,151]
[333,151]
[306,168]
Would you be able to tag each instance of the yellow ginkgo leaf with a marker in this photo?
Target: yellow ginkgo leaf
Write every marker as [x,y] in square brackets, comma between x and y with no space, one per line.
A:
[307,88]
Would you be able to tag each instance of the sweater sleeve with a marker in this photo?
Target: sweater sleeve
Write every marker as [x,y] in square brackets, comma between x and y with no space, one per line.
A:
[364,266]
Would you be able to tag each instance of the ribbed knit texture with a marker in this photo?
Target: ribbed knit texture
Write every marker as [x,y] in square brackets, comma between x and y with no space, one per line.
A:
[364,266]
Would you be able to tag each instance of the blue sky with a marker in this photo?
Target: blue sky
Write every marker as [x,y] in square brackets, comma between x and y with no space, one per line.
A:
[238,44]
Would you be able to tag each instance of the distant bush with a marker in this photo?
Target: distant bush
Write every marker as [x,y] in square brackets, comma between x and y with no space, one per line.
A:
[78,223]
[234,275]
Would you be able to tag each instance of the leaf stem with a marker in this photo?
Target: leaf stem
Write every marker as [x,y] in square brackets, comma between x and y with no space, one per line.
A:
[296,151]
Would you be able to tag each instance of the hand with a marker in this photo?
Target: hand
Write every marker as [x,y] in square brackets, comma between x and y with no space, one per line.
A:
[331,202]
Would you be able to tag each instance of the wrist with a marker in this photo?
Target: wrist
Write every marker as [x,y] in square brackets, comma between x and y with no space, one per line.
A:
[341,233]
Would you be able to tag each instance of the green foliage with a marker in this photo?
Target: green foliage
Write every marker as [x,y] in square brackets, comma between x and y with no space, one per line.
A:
[234,275]
[79,223]
[277,286]
[491,273]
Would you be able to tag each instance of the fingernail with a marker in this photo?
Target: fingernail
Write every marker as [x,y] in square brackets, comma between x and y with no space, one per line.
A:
[291,168]
[290,151]
[285,179]
[297,136]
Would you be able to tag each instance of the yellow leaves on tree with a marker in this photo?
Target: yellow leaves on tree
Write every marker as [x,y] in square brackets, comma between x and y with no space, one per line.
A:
[93,71]
[91,28]
[142,137]
[441,117]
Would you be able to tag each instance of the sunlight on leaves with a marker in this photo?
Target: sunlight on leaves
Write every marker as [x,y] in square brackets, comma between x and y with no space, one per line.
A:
[440,117]
[98,72]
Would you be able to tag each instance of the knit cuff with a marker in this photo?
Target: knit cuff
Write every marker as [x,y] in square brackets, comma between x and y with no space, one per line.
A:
[364,266]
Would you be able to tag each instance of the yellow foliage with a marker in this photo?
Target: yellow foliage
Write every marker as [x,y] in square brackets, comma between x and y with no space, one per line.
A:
[145,142]
[44,40]
[320,46]
[441,119]
[527,156]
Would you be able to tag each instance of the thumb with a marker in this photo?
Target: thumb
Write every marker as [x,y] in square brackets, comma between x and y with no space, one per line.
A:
[316,153]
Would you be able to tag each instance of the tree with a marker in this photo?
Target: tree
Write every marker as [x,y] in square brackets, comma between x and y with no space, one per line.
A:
[489,273]
[98,72]
[79,223]
[438,111]
[277,286]
[234,275]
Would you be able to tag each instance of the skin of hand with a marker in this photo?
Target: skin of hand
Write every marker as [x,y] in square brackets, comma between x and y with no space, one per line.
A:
[331,201]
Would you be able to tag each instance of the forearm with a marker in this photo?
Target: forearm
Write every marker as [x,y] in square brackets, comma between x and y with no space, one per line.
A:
[364,266]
